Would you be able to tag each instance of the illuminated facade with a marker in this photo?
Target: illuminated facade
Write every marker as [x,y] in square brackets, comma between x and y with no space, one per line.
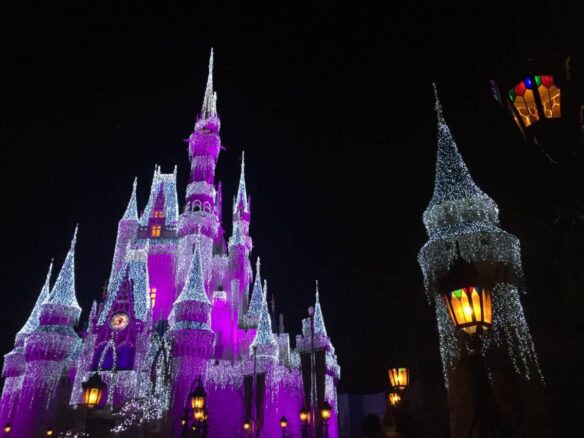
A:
[182,303]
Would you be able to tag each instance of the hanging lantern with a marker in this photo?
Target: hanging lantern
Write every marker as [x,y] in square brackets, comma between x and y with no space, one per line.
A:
[304,415]
[469,308]
[399,378]
[394,398]
[325,411]
[198,397]
[92,390]
[283,422]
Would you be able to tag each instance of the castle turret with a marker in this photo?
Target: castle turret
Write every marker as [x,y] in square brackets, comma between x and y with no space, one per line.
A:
[190,336]
[127,231]
[13,368]
[473,267]
[47,349]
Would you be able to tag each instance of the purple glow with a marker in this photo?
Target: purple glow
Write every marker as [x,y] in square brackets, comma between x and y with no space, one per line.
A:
[175,309]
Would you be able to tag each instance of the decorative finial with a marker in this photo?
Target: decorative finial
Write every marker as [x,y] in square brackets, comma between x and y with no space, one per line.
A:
[437,105]
[317,291]
[74,240]
[210,99]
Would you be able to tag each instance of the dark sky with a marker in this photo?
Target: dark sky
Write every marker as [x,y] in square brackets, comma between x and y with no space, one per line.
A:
[334,110]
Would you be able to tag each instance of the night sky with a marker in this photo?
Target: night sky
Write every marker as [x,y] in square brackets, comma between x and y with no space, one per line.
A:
[334,111]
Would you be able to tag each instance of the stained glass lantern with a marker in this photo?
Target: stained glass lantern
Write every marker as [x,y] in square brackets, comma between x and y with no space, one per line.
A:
[92,390]
[325,411]
[399,378]
[283,423]
[198,396]
[470,308]
[533,91]
[394,398]
[304,415]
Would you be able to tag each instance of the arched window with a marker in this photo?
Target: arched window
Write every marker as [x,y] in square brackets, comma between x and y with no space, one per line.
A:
[125,356]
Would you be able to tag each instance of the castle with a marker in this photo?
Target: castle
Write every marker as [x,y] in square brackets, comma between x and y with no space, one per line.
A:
[183,307]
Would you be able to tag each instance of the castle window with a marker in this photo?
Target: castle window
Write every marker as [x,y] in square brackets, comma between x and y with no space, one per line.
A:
[155,231]
[153,296]
[158,214]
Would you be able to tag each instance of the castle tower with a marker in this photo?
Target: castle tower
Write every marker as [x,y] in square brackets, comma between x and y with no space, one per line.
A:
[46,350]
[127,231]
[13,369]
[191,337]
[472,263]
[320,370]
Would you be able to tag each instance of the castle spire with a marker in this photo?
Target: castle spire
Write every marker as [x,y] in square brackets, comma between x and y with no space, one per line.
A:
[131,213]
[194,288]
[257,296]
[264,341]
[63,291]
[33,320]
[241,198]
[454,188]
[210,100]
[319,327]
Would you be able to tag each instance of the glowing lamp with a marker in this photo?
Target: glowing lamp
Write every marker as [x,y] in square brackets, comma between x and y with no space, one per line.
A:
[199,414]
[92,390]
[304,415]
[283,423]
[184,420]
[399,378]
[7,428]
[469,308]
[194,427]
[49,432]
[198,397]
[325,411]
[246,425]
[394,398]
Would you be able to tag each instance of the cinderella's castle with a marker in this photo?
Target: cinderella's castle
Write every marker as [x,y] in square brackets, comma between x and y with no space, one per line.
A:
[182,304]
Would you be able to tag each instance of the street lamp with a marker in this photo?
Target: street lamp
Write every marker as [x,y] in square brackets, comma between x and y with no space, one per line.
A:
[304,417]
[92,390]
[283,425]
[399,378]
[469,308]
[325,413]
[198,396]
[394,398]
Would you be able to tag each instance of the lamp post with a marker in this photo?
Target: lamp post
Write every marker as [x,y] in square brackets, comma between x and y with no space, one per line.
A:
[283,425]
[470,311]
[304,417]
[325,413]
[198,401]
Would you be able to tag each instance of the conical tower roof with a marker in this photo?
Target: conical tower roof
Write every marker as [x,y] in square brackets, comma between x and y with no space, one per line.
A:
[241,197]
[264,340]
[256,302]
[63,291]
[131,213]
[456,198]
[210,100]
[194,288]
[319,327]
[33,320]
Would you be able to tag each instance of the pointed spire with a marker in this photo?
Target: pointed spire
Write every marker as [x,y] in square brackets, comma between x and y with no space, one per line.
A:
[237,237]
[33,320]
[241,198]
[264,339]
[63,291]
[210,100]
[319,326]
[194,288]
[453,180]
[257,295]
[131,213]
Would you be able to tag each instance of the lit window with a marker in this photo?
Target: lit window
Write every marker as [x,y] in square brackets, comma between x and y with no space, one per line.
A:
[523,99]
[158,214]
[156,231]
[549,93]
[153,296]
